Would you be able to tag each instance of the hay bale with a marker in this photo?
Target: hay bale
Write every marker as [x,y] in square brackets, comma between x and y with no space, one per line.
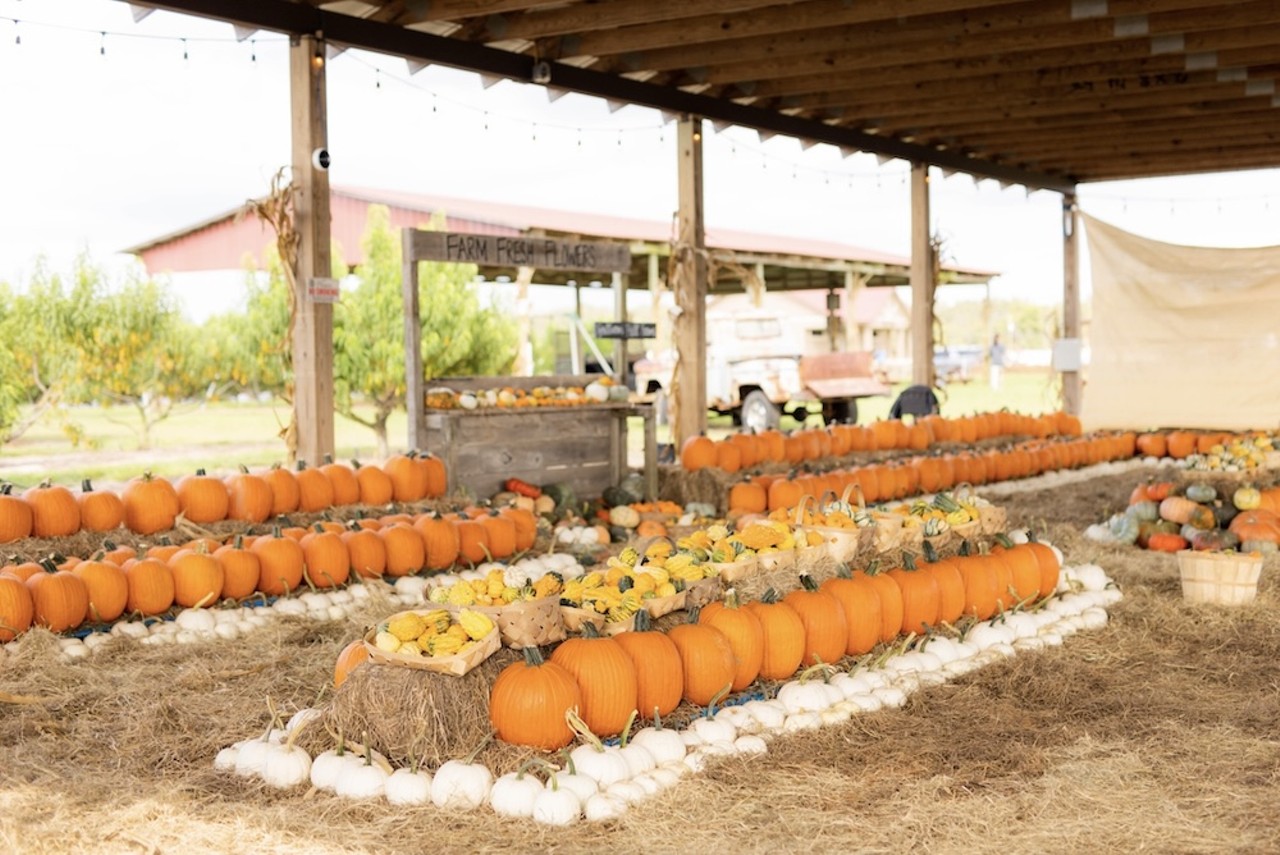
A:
[408,713]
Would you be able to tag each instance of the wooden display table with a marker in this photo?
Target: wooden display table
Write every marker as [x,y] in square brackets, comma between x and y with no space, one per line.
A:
[583,446]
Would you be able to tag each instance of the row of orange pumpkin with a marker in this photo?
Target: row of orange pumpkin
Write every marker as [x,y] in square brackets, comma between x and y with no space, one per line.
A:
[148,504]
[744,450]
[910,476]
[62,596]
[732,645]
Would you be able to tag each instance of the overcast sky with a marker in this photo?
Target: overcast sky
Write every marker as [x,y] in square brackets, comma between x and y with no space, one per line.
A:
[112,141]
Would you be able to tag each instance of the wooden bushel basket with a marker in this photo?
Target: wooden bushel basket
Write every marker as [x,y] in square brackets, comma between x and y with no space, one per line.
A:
[525,623]
[575,617]
[1220,578]
[457,665]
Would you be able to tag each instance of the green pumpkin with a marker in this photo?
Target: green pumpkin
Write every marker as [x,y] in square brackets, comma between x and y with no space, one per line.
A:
[1223,513]
[1201,493]
[1124,527]
[1145,511]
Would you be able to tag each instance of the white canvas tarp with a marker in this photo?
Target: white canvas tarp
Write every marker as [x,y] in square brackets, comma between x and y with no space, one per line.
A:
[1181,336]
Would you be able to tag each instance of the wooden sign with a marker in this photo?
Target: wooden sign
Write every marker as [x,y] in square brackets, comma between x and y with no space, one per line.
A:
[535,252]
[617,329]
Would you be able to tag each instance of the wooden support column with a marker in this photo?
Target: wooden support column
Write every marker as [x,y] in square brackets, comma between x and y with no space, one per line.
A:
[922,283]
[313,322]
[523,365]
[414,393]
[621,347]
[1070,296]
[691,288]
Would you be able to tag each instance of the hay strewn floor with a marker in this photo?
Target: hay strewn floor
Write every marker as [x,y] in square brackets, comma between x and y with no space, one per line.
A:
[1160,733]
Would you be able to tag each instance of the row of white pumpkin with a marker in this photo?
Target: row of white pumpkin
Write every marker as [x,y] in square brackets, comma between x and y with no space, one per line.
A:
[602,782]
[195,625]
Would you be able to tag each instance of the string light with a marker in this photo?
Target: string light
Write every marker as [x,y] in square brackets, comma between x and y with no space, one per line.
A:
[102,46]
[184,48]
[253,50]
[17,34]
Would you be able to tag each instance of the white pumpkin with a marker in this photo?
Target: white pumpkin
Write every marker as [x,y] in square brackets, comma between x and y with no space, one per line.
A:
[514,794]
[663,744]
[602,807]
[330,765]
[286,766]
[460,785]
[364,781]
[556,806]
[407,787]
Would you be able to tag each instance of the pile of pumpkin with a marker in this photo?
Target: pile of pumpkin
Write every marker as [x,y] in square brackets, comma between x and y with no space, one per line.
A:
[1209,451]
[64,595]
[508,397]
[1163,517]
[744,450]
[148,504]
[912,476]
[729,645]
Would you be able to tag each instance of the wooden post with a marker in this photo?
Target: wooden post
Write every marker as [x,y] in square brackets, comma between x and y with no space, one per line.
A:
[621,347]
[523,366]
[414,393]
[922,283]
[313,321]
[691,288]
[1070,296]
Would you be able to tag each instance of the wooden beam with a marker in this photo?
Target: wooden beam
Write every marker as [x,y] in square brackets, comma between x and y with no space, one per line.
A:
[1172,89]
[573,19]
[1189,102]
[1032,48]
[1070,296]
[779,18]
[1207,159]
[922,284]
[1017,26]
[1082,146]
[414,391]
[690,287]
[313,321]
[408,12]
[1127,56]
[861,97]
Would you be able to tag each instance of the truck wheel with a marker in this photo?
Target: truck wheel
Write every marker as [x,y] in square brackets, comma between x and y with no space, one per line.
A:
[759,413]
[840,411]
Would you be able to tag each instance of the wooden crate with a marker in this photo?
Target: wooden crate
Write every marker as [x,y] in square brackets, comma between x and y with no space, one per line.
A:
[582,446]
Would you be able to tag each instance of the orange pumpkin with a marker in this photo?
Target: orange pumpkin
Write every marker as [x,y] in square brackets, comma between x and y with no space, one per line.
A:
[697,452]
[342,479]
[326,563]
[826,629]
[375,484]
[54,510]
[249,497]
[529,699]
[60,600]
[437,479]
[150,504]
[707,660]
[107,586]
[203,498]
[198,577]
[280,562]
[241,569]
[861,603]
[440,540]
[745,635]
[408,479]
[315,490]
[100,510]
[16,607]
[606,677]
[151,587]
[366,551]
[285,494]
[15,515]
[784,638]
[406,551]
[351,657]
[659,669]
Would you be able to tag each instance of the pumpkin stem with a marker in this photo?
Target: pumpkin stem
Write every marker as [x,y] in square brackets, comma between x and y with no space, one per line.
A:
[85,486]
[475,752]
[657,718]
[205,600]
[580,729]
[275,719]
[568,761]
[626,731]
[731,599]
[533,656]
[806,581]
[48,564]
[368,750]
[590,630]
[770,597]
[1003,540]
[717,698]
[930,553]
[844,571]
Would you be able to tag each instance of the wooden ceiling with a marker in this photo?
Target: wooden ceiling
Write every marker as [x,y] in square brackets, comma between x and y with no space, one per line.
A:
[1045,92]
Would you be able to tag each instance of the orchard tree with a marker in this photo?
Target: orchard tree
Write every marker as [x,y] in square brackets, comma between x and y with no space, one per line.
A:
[459,336]
[43,327]
[138,352]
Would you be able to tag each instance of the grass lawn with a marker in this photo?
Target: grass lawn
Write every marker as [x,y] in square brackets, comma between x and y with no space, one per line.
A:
[220,436]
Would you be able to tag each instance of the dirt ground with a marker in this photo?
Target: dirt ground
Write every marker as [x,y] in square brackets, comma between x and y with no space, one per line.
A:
[1159,733]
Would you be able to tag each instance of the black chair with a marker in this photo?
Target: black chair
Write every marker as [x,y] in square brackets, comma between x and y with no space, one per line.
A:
[915,401]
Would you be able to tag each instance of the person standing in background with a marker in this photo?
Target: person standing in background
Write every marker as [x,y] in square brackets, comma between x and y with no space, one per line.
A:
[996,358]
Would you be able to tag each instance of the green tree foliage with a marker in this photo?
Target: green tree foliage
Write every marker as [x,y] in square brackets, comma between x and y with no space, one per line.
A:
[139,352]
[459,336]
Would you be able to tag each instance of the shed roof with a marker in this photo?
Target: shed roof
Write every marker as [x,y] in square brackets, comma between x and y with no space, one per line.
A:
[223,241]
[1046,93]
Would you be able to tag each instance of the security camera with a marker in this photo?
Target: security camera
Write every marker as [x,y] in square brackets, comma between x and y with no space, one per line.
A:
[542,72]
[320,158]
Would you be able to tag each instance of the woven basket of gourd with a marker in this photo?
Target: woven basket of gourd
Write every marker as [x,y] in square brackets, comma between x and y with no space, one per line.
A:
[575,618]
[525,623]
[457,664]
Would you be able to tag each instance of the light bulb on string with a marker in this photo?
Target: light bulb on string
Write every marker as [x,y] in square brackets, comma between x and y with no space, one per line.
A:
[253,50]
[377,78]
[184,49]
[17,34]
[534,135]
[486,120]
[102,46]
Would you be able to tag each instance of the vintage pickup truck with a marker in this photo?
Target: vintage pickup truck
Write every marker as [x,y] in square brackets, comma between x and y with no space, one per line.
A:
[751,377]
